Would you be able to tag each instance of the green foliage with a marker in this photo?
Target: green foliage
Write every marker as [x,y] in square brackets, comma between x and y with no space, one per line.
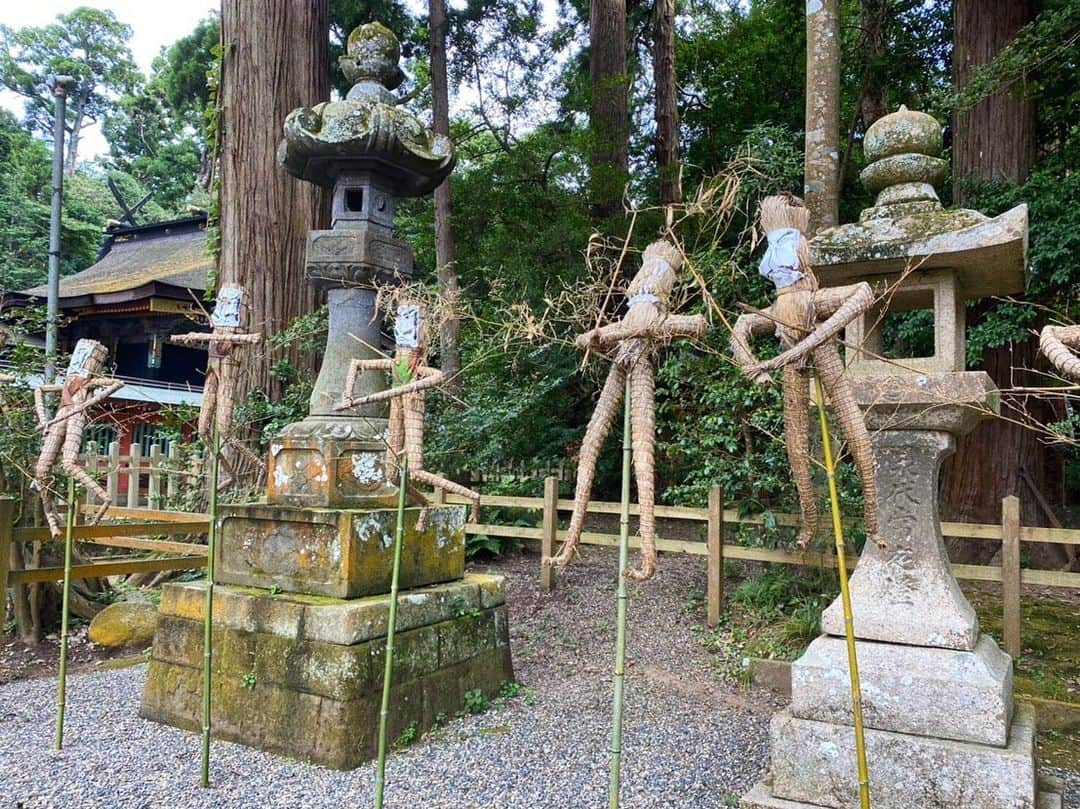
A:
[783,590]
[476,701]
[409,735]
[88,44]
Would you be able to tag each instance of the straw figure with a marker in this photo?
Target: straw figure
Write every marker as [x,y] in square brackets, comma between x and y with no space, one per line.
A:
[63,433]
[634,340]
[1061,345]
[410,379]
[807,321]
[222,369]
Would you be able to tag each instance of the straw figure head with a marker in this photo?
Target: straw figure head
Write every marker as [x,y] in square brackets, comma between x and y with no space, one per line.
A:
[783,213]
[649,293]
[87,359]
[410,327]
[228,308]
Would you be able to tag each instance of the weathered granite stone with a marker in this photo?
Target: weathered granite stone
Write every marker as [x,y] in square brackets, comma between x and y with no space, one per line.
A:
[966,696]
[905,592]
[902,132]
[814,762]
[331,620]
[338,553]
[953,403]
[903,168]
[1050,795]
[302,675]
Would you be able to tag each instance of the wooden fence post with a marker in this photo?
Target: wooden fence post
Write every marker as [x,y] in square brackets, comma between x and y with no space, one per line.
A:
[439,497]
[153,489]
[91,467]
[172,479]
[7,513]
[113,473]
[550,525]
[134,457]
[715,569]
[1010,573]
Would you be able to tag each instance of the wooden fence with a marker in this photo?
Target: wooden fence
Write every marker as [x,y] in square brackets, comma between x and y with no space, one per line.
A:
[136,479]
[1009,534]
[144,534]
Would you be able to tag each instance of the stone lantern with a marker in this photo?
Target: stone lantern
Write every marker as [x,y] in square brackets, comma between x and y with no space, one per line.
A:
[301,607]
[942,728]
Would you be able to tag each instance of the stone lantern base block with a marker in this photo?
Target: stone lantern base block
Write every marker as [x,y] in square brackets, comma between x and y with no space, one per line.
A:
[943,693]
[302,675]
[1050,795]
[337,553]
[814,762]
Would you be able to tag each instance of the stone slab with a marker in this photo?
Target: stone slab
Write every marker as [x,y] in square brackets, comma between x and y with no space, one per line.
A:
[942,693]
[330,620]
[950,402]
[1051,791]
[814,762]
[337,553]
[904,591]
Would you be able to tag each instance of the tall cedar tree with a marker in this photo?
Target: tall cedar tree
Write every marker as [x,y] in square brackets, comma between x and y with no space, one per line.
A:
[667,113]
[995,140]
[445,254]
[608,112]
[274,58]
[822,174]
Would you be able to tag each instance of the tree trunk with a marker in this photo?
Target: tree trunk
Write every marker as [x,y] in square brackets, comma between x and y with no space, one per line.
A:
[667,113]
[275,58]
[990,462]
[608,111]
[75,136]
[445,256]
[995,139]
[822,182]
[872,41]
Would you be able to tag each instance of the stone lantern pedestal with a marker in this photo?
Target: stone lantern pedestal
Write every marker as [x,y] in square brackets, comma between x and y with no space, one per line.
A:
[301,601]
[942,728]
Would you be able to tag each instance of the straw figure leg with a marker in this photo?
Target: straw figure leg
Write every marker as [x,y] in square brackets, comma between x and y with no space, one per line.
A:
[830,369]
[1058,344]
[43,474]
[69,463]
[797,438]
[599,424]
[643,432]
[209,403]
[395,438]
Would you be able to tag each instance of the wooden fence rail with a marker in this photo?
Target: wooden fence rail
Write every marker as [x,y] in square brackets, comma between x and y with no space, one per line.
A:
[138,536]
[1009,533]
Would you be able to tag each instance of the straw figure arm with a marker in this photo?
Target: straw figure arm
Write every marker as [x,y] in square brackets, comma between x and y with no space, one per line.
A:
[750,325]
[426,378]
[355,368]
[107,388]
[846,303]
[689,326]
[39,403]
[1060,345]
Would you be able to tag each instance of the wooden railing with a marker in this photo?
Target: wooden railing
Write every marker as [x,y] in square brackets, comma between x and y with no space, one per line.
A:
[136,479]
[1009,533]
[141,534]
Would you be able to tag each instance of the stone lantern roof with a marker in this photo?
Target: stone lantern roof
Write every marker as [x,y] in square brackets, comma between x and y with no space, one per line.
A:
[908,228]
[367,131]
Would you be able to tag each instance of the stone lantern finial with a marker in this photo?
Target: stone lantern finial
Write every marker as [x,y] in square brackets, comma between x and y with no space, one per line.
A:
[904,148]
[371,63]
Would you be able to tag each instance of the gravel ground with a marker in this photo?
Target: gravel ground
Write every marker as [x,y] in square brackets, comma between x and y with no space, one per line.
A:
[690,738]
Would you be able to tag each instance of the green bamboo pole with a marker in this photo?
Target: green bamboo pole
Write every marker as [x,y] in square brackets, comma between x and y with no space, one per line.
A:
[620,619]
[384,711]
[208,618]
[61,694]
[845,596]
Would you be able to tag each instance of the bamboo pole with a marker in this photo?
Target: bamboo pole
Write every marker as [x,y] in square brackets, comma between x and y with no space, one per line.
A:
[845,596]
[620,619]
[61,694]
[208,618]
[384,710]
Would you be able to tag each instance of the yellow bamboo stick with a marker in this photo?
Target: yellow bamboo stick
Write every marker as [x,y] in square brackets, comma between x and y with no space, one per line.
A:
[845,596]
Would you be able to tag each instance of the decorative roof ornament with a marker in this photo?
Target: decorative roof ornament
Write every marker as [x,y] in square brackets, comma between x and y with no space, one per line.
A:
[368,130]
